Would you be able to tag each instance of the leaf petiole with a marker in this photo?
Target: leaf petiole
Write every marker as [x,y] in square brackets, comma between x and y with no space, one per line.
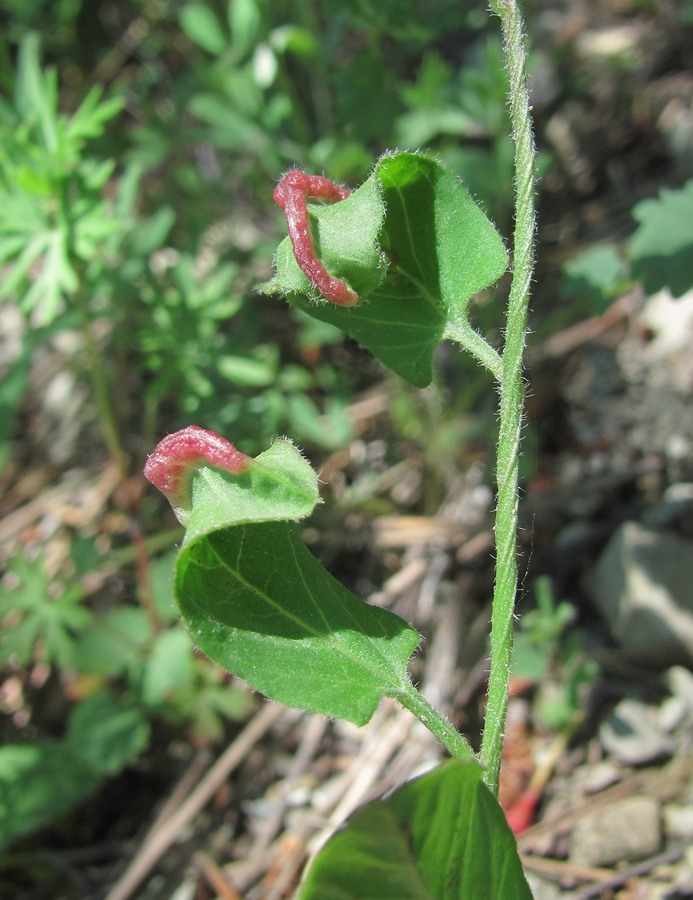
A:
[434,721]
[461,332]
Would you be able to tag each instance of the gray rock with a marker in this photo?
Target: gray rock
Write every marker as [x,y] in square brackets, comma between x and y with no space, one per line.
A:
[680,683]
[632,734]
[626,830]
[542,889]
[674,713]
[679,821]
[643,586]
[597,777]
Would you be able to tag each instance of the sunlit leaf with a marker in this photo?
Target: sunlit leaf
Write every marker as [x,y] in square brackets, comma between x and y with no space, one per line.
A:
[440,837]
[258,602]
[415,253]
[253,596]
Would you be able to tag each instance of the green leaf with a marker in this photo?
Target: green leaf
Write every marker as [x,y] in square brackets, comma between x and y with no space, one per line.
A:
[246,371]
[42,781]
[440,837]
[169,666]
[245,21]
[293,39]
[26,259]
[231,128]
[329,429]
[88,120]
[258,602]
[151,233]
[662,246]
[594,276]
[253,596]
[529,660]
[440,250]
[38,783]
[106,734]
[277,484]
[36,91]
[115,644]
[201,25]
[346,237]
[370,860]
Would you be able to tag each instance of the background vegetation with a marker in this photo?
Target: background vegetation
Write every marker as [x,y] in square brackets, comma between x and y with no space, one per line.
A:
[140,143]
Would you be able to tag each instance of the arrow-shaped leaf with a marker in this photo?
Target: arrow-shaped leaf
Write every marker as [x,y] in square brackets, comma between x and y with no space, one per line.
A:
[253,596]
[258,602]
[440,248]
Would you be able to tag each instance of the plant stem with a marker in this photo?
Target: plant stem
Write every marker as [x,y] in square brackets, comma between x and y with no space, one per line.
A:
[512,394]
[435,721]
[104,406]
[463,334]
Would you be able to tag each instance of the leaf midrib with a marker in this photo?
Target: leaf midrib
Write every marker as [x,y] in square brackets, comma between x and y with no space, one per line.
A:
[329,637]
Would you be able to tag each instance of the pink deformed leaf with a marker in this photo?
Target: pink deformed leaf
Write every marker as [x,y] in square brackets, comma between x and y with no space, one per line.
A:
[291,194]
[171,466]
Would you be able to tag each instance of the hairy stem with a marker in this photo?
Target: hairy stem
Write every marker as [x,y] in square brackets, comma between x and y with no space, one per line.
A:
[463,334]
[512,393]
[435,721]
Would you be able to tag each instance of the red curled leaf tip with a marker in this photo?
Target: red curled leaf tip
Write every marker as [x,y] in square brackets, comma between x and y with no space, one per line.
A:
[170,467]
[292,194]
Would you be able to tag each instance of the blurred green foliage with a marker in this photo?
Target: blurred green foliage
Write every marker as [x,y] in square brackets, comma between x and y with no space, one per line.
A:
[140,143]
[595,278]
[662,247]
[659,255]
[130,664]
[552,655]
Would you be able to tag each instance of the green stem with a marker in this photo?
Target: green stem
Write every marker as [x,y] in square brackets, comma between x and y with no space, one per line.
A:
[463,334]
[512,394]
[435,721]
[104,406]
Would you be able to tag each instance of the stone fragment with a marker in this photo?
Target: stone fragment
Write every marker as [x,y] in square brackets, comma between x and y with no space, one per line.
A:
[631,733]
[543,889]
[600,776]
[624,831]
[680,683]
[642,585]
[679,822]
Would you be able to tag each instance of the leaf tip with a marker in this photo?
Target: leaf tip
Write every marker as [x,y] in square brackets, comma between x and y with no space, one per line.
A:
[171,466]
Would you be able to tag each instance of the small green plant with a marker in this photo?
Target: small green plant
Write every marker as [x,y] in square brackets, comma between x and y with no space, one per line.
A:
[657,256]
[42,780]
[594,279]
[554,659]
[128,664]
[661,248]
[55,224]
[394,265]
[41,620]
